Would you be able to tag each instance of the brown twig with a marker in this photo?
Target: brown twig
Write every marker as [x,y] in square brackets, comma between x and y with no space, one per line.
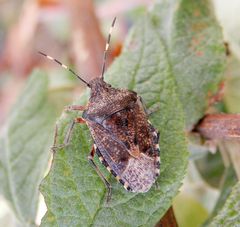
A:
[219,126]
[87,40]
[168,220]
[17,54]
[225,130]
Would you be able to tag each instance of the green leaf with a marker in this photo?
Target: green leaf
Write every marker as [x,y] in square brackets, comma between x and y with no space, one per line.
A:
[75,195]
[229,214]
[195,49]
[188,211]
[229,180]
[231,90]
[149,65]
[24,146]
[211,168]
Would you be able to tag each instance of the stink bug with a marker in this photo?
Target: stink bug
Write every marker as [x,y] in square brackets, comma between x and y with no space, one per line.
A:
[124,140]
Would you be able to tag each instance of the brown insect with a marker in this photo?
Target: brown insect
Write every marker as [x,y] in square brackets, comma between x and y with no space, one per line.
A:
[124,140]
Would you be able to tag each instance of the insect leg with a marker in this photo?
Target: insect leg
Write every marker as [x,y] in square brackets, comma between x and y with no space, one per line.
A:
[107,184]
[75,107]
[150,111]
[68,135]
[143,104]
[54,147]
[70,129]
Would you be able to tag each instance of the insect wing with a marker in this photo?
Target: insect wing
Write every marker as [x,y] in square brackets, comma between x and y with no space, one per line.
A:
[126,145]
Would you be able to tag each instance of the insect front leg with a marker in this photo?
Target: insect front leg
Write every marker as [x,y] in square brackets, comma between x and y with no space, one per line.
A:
[67,136]
[150,111]
[107,184]
[74,108]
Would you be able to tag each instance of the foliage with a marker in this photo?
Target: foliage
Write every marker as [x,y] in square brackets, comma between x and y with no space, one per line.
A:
[156,79]
[229,214]
[174,58]
[24,146]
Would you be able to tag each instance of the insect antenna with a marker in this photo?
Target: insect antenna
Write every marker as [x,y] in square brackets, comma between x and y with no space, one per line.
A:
[64,66]
[106,48]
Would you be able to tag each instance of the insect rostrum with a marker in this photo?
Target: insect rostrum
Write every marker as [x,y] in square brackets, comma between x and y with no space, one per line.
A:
[124,140]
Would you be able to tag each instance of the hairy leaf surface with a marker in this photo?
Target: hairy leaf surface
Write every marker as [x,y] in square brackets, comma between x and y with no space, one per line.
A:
[24,146]
[229,214]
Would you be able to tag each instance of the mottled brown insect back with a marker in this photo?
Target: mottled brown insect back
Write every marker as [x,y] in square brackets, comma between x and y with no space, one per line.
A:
[124,139]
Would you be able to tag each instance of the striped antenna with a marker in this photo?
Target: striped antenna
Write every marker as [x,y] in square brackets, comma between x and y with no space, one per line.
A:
[64,66]
[107,47]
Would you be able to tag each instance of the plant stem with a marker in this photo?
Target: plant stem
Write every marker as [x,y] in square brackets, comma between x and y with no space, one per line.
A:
[219,126]
[168,220]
